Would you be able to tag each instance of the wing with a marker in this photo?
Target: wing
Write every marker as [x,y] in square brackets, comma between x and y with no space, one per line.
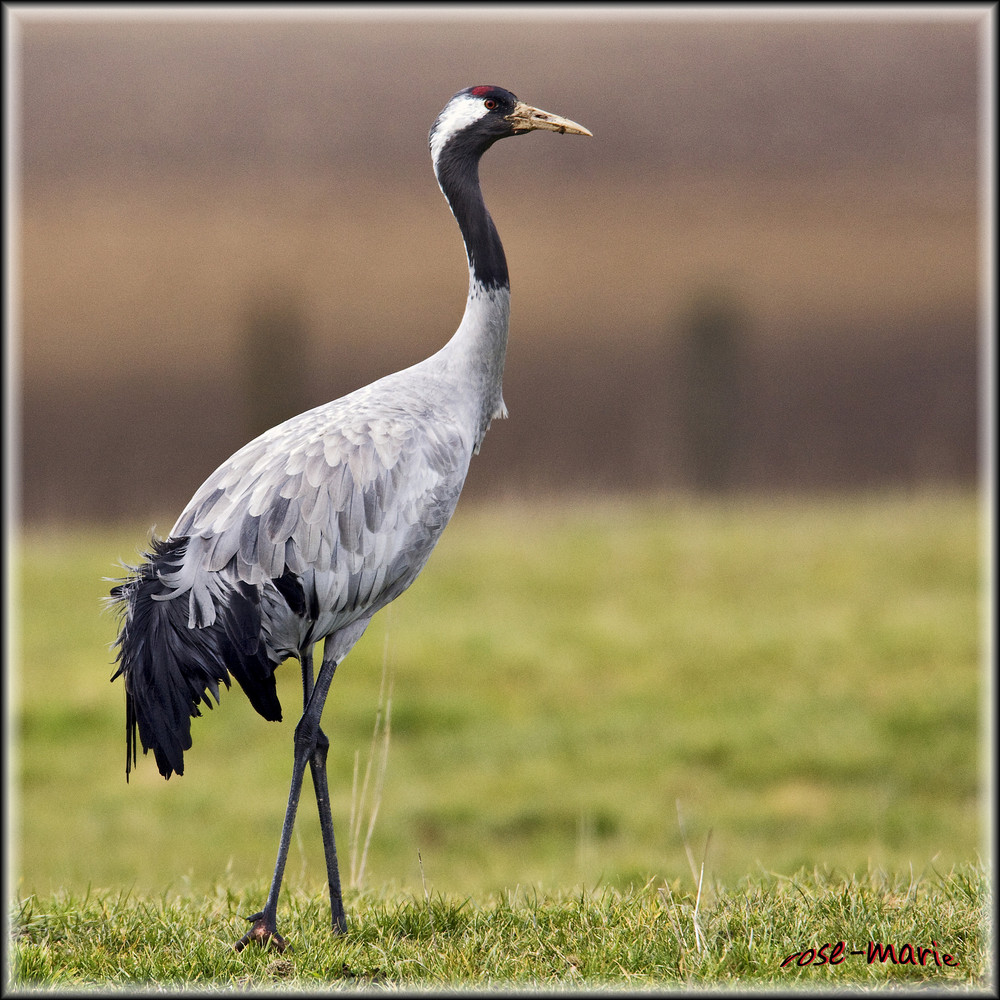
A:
[350,498]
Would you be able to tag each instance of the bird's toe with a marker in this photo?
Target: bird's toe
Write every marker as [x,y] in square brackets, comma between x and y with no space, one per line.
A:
[263,933]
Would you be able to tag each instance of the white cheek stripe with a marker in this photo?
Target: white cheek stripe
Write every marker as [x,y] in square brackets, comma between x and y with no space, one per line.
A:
[459,113]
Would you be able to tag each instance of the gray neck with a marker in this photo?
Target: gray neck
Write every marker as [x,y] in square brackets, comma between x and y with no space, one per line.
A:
[475,355]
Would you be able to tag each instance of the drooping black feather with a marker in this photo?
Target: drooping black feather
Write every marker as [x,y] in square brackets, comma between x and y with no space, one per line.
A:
[170,668]
[290,588]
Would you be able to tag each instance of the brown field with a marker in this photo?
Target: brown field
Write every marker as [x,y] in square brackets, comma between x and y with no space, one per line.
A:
[163,276]
[187,184]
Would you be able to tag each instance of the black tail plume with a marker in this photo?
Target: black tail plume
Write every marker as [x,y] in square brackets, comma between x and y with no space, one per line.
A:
[169,668]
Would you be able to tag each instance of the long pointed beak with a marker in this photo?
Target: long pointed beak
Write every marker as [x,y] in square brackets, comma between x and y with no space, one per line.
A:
[525,118]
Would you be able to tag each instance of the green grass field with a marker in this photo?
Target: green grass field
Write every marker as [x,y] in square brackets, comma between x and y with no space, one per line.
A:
[582,694]
[813,929]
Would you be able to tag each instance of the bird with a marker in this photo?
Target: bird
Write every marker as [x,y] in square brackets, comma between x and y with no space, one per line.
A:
[310,529]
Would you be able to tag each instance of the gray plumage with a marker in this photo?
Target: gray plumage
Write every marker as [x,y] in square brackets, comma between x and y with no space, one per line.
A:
[310,529]
[351,496]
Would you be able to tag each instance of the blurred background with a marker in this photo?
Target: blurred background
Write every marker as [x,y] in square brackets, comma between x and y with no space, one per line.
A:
[761,273]
[724,555]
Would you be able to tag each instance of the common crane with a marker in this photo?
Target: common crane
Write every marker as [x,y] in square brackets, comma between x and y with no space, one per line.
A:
[314,526]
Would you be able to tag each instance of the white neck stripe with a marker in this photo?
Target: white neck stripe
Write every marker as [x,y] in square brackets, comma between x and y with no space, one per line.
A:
[459,113]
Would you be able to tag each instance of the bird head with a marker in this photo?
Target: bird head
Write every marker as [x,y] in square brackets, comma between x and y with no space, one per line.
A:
[478,116]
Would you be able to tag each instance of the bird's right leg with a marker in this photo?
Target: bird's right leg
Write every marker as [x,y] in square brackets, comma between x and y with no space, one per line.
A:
[317,765]
[264,924]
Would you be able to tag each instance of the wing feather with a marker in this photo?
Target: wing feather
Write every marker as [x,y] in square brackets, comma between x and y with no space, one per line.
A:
[291,487]
[315,505]
[281,518]
[340,485]
[249,531]
[317,469]
[224,546]
[350,499]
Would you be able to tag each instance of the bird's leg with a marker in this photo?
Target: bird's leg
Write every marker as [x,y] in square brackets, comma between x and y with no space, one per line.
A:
[317,765]
[306,660]
[263,928]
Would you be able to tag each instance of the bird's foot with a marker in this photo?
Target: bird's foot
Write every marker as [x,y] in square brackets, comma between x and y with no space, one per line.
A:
[263,933]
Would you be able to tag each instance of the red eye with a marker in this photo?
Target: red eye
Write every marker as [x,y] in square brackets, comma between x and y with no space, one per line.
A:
[489,104]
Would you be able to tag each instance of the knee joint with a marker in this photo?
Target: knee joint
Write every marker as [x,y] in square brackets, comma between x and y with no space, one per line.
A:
[305,738]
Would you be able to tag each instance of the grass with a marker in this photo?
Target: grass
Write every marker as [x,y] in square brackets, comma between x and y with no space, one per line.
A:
[802,677]
[656,935]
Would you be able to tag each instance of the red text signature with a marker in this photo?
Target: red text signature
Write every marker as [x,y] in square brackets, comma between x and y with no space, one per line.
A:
[907,954]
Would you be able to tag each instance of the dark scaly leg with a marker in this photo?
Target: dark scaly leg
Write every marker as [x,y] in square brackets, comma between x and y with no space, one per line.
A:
[317,766]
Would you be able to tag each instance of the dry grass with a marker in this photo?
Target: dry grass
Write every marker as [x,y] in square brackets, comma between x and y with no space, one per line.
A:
[366,798]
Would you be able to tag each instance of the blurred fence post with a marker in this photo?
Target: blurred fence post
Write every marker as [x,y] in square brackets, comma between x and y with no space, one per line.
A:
[274,355]
[713,359]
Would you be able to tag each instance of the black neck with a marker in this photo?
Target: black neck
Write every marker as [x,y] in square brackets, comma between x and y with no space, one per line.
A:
[458,175]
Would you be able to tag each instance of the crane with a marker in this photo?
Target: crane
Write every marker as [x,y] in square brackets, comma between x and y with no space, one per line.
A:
[309,530]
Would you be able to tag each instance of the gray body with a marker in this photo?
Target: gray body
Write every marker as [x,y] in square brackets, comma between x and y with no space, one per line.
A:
[351,496]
